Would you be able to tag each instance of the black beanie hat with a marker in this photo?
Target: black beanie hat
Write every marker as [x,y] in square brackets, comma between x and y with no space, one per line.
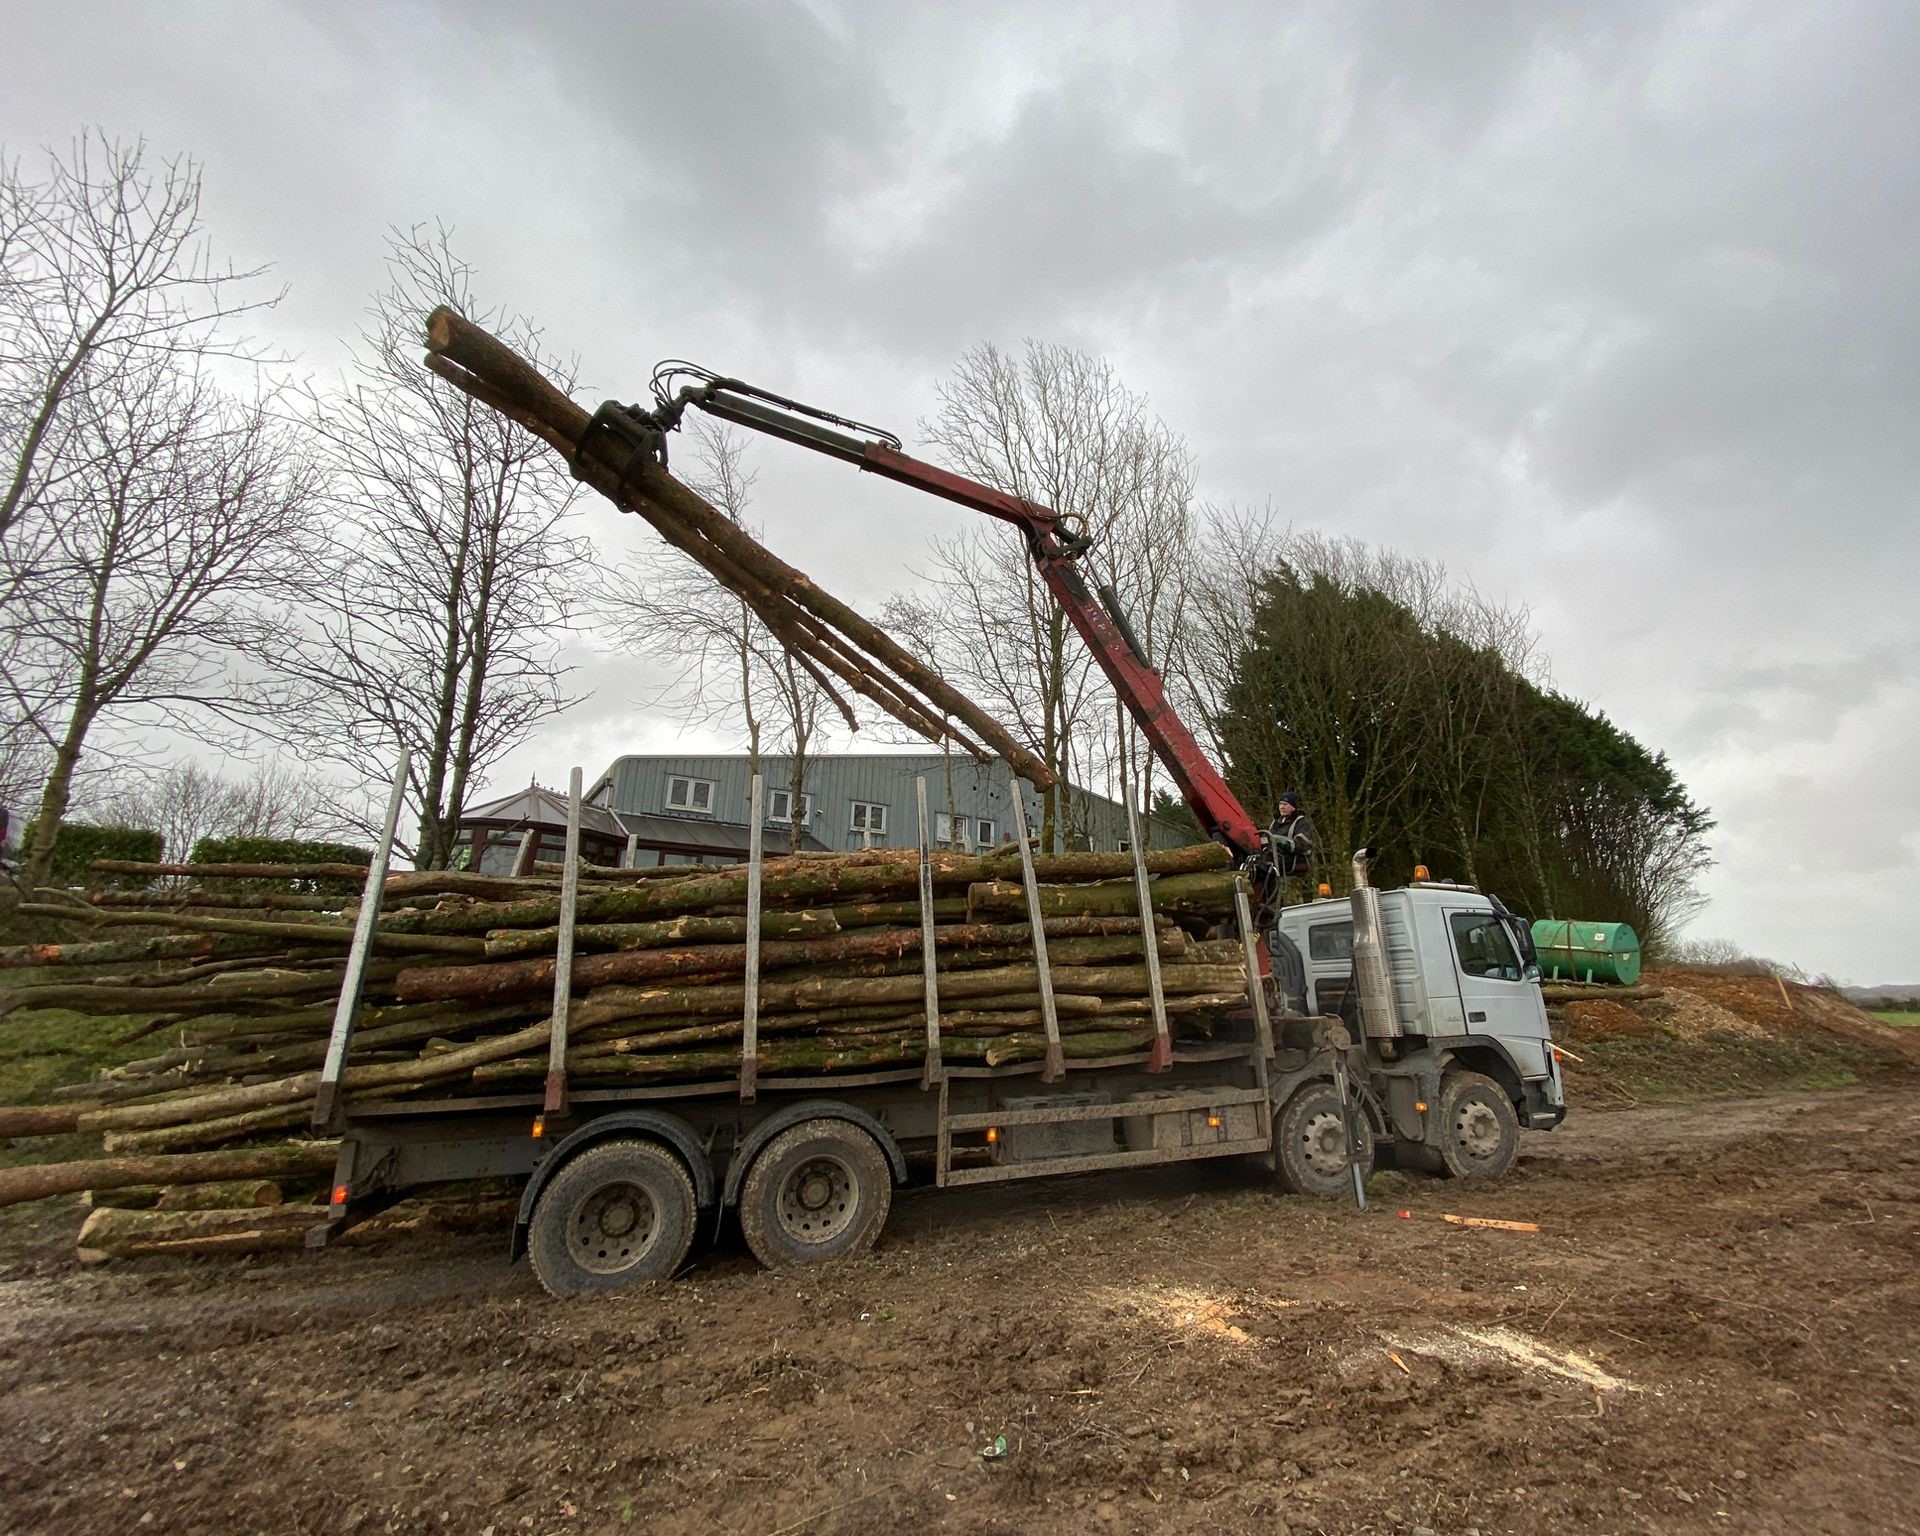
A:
[1291,797]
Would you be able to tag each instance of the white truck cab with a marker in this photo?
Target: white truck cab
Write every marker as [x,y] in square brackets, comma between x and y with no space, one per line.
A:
[1460,996]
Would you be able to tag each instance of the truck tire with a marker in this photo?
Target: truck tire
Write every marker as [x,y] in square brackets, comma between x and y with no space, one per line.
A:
[1478,1129]
[819,1190]
[1310,1143]
[620,1213]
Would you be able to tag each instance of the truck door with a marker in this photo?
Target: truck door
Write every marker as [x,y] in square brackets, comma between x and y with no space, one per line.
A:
[1498,999]
[1329,957]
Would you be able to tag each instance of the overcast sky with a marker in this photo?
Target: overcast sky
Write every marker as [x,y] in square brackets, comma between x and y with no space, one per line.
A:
[1614,309]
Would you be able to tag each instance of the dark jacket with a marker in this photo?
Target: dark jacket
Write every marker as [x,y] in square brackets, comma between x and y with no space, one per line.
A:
[1292,841]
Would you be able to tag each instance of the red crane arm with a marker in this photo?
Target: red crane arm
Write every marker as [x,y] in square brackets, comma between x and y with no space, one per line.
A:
[1055,548]
[1106,633]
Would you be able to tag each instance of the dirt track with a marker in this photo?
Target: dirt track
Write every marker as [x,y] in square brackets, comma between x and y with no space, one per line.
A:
[1186,1351]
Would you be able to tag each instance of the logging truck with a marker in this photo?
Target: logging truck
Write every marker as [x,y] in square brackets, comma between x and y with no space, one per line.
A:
[1407,1023]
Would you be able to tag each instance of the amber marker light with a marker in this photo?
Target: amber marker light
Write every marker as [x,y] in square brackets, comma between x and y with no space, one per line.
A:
[1213,1122]
[1325,889]
[339,1194]
[1420,1106]
[539,1126]
[993,1134]
[1420,872]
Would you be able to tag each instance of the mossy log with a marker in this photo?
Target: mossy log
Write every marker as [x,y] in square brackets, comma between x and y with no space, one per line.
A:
[338,934]
[667,933]
[157,947]
[1199,895]
[617,1002]
[526,977]
[118,1234]
[229,1195]
[38,1181]
[817,882]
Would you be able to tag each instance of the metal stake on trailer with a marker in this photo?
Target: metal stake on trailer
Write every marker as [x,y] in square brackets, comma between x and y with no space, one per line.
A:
[750,1014]
[935,1070]
[1162,1055]
[556,1100]
[1256,982]
[1049,1012]
[326,1099]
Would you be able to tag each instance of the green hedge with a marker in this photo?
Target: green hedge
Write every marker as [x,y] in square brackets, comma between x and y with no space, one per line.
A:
[77,844]
[275,850]
[279,850]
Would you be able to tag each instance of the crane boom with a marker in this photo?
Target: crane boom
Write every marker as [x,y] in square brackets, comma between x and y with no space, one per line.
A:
[1054,543]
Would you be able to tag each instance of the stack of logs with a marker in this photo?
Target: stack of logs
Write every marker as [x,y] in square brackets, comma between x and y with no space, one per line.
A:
[237,989]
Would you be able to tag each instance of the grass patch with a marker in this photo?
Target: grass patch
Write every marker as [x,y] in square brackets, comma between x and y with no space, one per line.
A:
[41,1050]
[1663,1066]
[1907,1016]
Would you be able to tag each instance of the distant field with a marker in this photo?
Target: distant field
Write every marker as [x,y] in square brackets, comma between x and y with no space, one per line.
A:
[1908,1016]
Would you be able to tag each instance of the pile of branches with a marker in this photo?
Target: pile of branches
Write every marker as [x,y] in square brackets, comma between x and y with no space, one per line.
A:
[239,999]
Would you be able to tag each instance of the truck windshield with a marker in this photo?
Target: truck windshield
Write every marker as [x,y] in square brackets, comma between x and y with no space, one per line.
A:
[1485,949]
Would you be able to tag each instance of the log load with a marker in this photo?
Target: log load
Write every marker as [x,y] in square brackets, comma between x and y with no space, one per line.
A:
[238,1003]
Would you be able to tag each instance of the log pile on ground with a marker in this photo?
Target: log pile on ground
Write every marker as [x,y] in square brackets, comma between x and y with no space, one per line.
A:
[238,1000]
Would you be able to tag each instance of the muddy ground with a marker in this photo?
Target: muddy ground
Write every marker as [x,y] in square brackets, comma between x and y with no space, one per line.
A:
[1716,1329]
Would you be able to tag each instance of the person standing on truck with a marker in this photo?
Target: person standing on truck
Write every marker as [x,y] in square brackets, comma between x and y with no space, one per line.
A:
[1292,846]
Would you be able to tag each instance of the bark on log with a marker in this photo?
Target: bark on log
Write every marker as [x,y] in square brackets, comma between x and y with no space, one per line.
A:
[1197,895]
[150,1234]
[810,922]
[195,998]
[230,871]
[606,1004]
[196,1135]
[39,1119]
[168,946]
[39,1181]
[208,902]
[338,935]
[231,1195]
[528,977]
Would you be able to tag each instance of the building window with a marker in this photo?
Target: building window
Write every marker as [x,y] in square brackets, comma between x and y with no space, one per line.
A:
[952,831]
[780,807]
[684,794]
[868,825]
[987,833]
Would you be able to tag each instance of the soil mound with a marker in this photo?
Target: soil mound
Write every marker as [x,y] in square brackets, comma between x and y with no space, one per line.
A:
[1688,1034]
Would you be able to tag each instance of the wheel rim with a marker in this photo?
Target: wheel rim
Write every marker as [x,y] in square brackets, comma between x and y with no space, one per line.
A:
[1323,1143]
[612,1228]
[1476,1131]
[816,1200]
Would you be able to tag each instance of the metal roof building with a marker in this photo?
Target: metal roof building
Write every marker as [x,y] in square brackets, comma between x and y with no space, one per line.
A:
[684,809]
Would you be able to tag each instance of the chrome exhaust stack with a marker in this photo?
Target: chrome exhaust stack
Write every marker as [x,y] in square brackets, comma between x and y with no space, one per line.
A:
[1372,980]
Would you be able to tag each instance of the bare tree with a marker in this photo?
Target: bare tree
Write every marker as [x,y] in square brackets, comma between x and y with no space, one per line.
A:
[1056,427]
[166,556]
[726,668]
[102,269]
[459,573]
[186,801]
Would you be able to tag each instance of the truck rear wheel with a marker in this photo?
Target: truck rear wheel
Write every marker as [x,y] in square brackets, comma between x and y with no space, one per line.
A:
[621,1213]
[1479,1130]
[1310,1143]
[819,1190]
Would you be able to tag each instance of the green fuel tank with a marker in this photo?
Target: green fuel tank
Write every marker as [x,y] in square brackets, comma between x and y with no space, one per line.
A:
[1571,950]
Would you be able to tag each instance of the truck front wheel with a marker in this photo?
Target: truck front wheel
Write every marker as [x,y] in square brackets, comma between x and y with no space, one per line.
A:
[820,1190]
[620,1213]
[1310,1143]
[1479,1130]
